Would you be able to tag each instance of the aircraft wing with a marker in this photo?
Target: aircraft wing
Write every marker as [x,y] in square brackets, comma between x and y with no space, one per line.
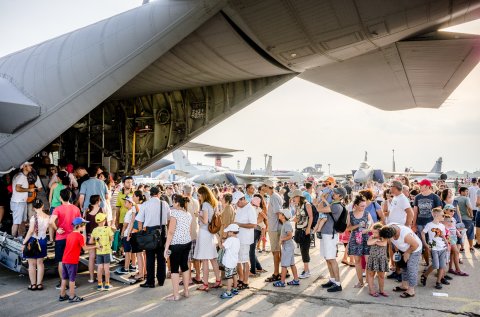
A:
[421,71]
[179,173]
[192,146]
[253,178]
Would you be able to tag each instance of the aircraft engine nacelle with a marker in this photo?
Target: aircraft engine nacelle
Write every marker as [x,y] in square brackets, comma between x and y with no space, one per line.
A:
[378,176]
[231,179]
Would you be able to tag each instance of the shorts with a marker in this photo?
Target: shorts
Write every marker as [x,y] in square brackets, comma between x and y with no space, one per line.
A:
[59,249]
[477,219]
[179,257]
[470,229]
[230,273]
[127,247]
[103,258]
[328,246]
[192,251]
[288,256]
[439,259]
[274,237]
[69,272]
[244,253]
[19,212]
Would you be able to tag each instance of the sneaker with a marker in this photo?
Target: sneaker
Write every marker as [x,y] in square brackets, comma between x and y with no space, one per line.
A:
[107,287]
[63,298]
[235,291]
[328,284]
[335,288]
[59,286]
[304,275]
[226,295]
[448,277]
[444,281]
[438,286]
[132,268]
[477,246]
[294,283]
[99,287]
[75,299]
[121,271]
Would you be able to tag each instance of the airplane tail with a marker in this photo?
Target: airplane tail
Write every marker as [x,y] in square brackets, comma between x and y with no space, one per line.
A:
[181,162]
[437,168]
[269,170]
[248,167]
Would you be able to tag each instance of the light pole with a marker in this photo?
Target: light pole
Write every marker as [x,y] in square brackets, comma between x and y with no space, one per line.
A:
[265,162]
[393,160]
[328,168]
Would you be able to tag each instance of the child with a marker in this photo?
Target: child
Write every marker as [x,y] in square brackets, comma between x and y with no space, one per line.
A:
[377,261]
[288,247]
[438,243]
[230,260]
[102,236]
[453,235]
[75,242]
[347,259]
[127,230]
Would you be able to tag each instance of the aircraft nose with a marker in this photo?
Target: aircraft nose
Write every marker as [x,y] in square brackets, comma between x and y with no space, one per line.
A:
[359,176]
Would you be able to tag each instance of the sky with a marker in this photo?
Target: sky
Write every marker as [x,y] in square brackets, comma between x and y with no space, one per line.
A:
[300,124]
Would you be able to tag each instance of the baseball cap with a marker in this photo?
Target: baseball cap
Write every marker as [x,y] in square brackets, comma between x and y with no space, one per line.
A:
[340,191]
[129,198]
[256,201]
[79,220]
[449,206]
[268,183]
[425,182]
[25,163]
[100,216]
[296,192]
[236,196]
[287,213]
[233,227]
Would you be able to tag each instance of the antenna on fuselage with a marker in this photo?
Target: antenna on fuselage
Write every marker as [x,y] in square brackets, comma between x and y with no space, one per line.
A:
[366,156]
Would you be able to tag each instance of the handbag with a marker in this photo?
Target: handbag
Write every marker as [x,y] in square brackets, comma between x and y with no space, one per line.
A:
[152,240]
[33,248]
[301,236]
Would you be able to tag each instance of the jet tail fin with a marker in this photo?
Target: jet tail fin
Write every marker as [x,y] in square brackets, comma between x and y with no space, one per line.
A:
[181,162]
[248,167]
[437,168]
[269,170]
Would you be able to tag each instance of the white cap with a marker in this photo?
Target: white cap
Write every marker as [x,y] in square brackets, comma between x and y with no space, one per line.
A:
[129,199]
[237,196]
[268,183]
[233,227]
[25,163]
[287,213]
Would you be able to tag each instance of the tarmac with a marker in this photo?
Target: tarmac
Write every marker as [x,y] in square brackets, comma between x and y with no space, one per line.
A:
[462,297]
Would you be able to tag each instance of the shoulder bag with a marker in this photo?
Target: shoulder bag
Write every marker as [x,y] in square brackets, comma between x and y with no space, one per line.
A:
[152,240]
[32,248]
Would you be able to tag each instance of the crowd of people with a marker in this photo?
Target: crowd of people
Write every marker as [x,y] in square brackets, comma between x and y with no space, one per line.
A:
[384,228]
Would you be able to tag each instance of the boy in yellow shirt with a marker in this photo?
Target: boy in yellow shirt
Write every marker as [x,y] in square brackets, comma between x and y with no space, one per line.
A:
[103,237]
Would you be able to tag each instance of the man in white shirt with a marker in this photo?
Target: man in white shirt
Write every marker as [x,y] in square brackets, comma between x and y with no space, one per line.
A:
[18,202]
[193,207]
[400,212]
[246,219]
[474,196]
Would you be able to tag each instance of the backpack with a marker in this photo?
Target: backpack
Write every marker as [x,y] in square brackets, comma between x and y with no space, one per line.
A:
[340,225]
[215,224]
[314,213]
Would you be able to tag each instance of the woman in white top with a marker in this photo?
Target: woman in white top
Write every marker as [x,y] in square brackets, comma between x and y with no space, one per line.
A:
[205,249]
[37,230]
[410,247]
[179,242]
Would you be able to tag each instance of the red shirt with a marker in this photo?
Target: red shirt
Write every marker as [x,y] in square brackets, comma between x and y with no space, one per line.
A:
[75,242]
[65,215]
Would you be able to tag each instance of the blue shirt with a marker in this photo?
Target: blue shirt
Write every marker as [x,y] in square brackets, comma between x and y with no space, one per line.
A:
[372,210]
[307,196]
[93,186]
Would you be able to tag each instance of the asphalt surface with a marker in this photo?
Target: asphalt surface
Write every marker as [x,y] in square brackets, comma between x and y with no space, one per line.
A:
[262,299]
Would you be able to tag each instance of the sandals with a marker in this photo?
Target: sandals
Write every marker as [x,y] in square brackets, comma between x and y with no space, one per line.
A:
[242,286]
[346,263]
[189,284]
[374,294]
[406,295]
[294,283]
[32,287]
[359,285]
[399,289]
[39,287]
[273,278]
[279,284]
[217,284]
[195,281]
[172,298]
[383,294]
[203,288]
[423,280]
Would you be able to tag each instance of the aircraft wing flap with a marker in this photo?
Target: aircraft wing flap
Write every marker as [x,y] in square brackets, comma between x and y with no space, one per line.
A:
[420,72]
